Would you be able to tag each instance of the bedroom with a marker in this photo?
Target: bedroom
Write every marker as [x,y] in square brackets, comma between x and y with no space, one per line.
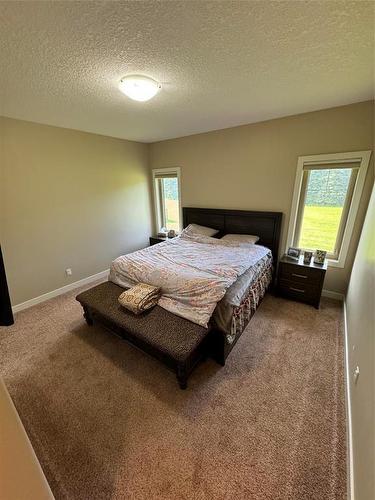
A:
[262,121]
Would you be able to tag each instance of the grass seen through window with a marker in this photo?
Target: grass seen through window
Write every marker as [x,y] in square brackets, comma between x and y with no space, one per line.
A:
[320,226]
[172,214]
[325,198]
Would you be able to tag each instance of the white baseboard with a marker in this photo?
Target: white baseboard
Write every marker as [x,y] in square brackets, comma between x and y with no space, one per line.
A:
[349,433]
[59,291]
[333,295]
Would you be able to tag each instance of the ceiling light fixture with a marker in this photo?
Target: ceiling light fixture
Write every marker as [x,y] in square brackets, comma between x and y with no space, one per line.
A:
[139,88]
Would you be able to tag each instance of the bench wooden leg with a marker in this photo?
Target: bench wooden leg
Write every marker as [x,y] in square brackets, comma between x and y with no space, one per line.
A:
[182,377]
[87,316]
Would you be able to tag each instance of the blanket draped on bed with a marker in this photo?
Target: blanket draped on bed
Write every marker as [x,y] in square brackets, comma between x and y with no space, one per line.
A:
[193,273]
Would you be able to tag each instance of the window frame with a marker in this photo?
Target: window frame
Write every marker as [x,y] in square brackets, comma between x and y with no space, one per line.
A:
[361,157]
[157,172]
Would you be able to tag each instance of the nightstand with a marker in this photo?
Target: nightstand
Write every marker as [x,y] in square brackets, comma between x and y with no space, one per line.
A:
[299,281]
[157,239]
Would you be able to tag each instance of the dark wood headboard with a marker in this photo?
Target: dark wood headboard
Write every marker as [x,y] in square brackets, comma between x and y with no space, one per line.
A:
[266,225]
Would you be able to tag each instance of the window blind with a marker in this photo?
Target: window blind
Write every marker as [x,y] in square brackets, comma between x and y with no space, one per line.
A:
[327,166]
[171,175]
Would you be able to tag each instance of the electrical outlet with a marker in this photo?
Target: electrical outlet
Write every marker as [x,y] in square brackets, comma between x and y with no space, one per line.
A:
[68,271]
[356,374]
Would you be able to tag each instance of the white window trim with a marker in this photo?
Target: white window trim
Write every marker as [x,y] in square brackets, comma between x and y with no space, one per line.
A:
[358,156]
[158,171]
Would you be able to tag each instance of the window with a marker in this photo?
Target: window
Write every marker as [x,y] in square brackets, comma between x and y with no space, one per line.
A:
[326,197]
[167,198]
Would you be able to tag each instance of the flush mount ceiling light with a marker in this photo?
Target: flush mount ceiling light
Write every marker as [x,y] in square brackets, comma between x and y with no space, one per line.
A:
[138,87]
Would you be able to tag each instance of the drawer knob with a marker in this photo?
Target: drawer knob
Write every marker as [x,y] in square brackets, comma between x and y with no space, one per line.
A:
[296,289]
[299,275]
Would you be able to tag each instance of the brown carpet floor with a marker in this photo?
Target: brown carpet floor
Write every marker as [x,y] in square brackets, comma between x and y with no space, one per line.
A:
[108,422]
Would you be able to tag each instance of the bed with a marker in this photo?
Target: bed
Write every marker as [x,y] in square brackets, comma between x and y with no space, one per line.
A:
[237,307]
[210,288]
[207,280]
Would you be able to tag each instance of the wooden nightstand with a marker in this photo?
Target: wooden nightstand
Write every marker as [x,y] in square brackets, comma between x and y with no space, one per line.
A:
[299,281]
[157,239]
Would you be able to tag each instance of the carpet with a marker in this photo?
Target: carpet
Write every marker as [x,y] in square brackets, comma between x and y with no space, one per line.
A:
[108,422]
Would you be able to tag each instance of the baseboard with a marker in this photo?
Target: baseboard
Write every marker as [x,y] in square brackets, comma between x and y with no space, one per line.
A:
[349,433]
[59,291]
[333,295]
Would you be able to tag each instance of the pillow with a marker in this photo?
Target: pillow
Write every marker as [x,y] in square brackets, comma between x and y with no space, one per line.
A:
[197,229]
[241,239]
[208,240]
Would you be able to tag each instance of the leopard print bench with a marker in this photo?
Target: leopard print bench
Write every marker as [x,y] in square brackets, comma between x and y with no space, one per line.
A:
[177,342]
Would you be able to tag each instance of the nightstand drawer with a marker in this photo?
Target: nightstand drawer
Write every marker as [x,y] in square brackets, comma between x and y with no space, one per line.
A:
[299,274]
[307,292]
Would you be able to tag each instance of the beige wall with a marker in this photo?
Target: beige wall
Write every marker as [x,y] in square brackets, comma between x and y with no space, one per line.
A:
[68,199]
[360,315]
[254,166]
[73,199]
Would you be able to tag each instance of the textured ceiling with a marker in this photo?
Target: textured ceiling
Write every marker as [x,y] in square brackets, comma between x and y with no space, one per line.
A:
[220,63]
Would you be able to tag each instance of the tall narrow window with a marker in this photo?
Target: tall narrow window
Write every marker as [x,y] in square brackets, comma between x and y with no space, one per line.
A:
[325,202]
[167,198]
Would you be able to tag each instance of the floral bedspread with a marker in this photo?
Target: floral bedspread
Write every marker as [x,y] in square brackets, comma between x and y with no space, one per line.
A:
[193,273]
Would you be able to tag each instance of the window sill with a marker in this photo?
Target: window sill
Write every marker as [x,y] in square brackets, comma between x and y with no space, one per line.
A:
[340,262]
[336,263]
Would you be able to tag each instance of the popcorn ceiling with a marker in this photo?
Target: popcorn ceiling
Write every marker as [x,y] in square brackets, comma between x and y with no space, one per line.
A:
[221,63]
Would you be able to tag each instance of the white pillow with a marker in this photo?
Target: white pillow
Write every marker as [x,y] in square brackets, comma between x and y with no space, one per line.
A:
[208,240]
[241,239]
[197,229]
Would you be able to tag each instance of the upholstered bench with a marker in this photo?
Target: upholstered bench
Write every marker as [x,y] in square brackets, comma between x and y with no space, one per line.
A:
[177,342]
